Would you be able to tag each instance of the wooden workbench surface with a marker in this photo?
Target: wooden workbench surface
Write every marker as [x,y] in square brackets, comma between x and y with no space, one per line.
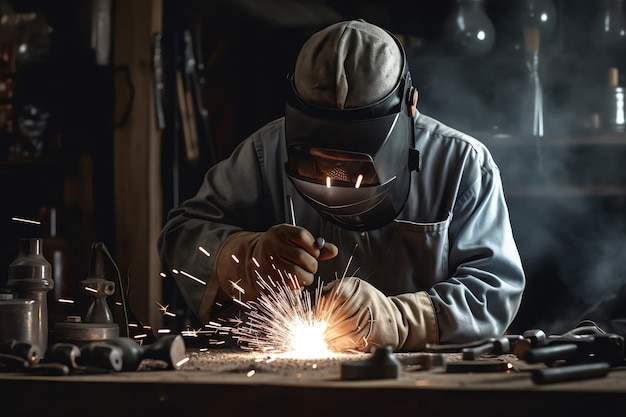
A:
[224,383]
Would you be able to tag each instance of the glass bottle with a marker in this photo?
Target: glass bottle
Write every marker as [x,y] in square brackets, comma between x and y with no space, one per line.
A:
[608,27]
[468,30]
[540,14]
[531,114]
[522,14]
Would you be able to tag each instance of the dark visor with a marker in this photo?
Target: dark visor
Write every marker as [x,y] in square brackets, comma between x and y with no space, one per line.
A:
[332,167]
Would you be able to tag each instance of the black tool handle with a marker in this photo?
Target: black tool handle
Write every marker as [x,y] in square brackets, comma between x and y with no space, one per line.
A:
[550,352]
[571,372]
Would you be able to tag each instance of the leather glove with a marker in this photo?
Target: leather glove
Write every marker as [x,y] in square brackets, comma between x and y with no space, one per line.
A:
[362,318]
[280,254]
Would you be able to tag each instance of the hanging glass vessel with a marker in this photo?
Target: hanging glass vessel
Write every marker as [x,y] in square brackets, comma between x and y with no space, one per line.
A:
[523,14]
[540,14]
[468,30]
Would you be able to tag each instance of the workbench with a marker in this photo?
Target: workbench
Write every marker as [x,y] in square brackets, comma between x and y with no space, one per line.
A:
[225,383]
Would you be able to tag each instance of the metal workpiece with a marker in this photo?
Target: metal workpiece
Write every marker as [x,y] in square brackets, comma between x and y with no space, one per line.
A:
[421,361]
[382,364]
[99,289]
[476,366]
[30,278]
[74,330]
[99,321]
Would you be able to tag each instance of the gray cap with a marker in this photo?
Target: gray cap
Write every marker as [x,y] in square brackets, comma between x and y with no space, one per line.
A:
[349,64]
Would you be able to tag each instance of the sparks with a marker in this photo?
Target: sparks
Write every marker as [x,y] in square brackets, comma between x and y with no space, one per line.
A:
[22,220]
[284,322]
[165,311]
[188,275]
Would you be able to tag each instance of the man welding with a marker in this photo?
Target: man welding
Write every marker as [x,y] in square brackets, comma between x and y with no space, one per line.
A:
[418,243]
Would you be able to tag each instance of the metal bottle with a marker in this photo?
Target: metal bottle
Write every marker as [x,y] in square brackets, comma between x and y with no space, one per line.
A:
[30,277]
[613,105]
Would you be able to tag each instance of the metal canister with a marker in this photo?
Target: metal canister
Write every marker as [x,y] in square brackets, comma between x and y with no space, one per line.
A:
[18,319]
[30,277]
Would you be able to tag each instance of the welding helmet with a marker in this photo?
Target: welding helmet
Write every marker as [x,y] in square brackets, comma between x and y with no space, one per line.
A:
[349,125]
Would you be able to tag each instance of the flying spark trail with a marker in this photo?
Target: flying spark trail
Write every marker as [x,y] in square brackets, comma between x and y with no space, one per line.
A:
[23,220]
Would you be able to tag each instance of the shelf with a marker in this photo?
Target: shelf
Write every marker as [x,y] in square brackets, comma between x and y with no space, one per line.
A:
[593,138]
[550,191]
[554,167]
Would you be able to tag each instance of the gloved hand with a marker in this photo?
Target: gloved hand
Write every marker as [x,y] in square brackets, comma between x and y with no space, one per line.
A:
[275,255]
[362,318]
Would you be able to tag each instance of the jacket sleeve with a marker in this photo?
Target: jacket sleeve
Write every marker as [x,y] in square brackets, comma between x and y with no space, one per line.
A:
[483,294]
[234,196]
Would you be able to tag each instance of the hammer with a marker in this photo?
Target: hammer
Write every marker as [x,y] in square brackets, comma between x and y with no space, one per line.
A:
[532,338]
[27,351]
[497,346]
[94,357]
[169,349]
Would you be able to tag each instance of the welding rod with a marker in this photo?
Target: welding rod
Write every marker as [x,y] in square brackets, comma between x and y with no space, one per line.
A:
[292,213]
[320,241]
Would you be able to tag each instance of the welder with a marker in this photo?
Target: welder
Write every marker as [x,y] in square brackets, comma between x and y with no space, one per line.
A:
[418,242]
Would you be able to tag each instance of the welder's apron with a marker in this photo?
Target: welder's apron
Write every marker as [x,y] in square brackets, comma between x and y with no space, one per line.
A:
[414,255]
